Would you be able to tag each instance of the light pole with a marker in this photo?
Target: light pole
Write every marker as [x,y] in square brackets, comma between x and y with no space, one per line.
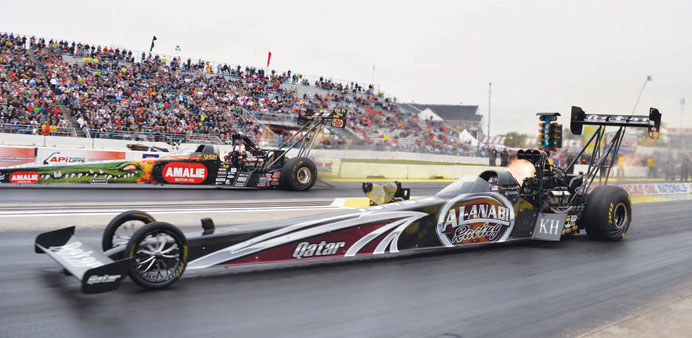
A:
[490,90]
[682,114]
[373,76]
[648,78]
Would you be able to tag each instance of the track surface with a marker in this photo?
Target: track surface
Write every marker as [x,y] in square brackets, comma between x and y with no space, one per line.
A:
[113,193]
[49,207]
[525,289]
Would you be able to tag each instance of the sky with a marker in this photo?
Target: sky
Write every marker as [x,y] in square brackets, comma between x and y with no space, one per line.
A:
[540,56]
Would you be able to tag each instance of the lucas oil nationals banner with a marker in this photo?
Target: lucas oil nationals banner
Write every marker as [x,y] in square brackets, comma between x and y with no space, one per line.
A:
[657,188]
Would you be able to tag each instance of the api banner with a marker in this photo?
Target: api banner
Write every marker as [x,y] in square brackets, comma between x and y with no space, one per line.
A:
[51,156]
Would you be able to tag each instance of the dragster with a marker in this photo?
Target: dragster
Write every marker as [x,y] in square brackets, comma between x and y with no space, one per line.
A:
[492,207]
[247,166]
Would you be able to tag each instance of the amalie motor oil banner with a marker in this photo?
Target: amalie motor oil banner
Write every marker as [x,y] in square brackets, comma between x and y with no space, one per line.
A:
[45,166]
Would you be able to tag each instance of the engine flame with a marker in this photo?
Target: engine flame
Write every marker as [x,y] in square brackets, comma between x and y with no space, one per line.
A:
[521,169]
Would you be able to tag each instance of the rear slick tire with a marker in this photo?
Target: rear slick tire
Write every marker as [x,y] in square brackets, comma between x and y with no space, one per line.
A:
[608,214]
[298,174]
[158,254]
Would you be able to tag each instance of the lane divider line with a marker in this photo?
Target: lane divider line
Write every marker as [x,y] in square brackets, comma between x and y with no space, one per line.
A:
[161,211]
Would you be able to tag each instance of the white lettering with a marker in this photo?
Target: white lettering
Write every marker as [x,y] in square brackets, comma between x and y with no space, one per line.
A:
[549,226]
[473,213]
[102,279]
[503,213]
[482,212]
[185,172]
[310,250]
[467,233]
[328,249]
[554,227]
[542,228]
[492,213]
[452,219]
[324,248]
[74,255]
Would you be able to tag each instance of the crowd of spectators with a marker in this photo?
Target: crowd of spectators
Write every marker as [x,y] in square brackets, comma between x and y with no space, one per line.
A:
[115,93]
[110,94]
[27,103]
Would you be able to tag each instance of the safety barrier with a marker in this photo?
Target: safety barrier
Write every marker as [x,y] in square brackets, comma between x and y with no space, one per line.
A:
[399,171]
[396,155]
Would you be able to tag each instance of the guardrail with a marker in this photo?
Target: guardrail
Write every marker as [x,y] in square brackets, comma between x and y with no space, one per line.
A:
[150,135]
[29,129]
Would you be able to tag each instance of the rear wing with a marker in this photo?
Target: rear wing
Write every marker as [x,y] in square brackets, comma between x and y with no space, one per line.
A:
[604,153]
[580,119]
[96,271]
[337,117]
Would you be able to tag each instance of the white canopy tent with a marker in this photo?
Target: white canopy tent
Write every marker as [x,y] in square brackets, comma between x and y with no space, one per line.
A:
[466,137]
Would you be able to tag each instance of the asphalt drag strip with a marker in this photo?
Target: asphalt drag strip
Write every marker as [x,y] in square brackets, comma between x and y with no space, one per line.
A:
[527,289]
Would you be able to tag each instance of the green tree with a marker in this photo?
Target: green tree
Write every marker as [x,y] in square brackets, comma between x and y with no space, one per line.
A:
[515,140]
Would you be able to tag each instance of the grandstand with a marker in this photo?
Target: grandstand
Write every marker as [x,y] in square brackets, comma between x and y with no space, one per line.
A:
[52,87]
[460,117]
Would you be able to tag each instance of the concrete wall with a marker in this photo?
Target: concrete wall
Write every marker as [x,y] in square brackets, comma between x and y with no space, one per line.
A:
[409,171]
[395,155]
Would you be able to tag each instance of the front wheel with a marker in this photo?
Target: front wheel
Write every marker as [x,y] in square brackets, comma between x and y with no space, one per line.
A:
[608,213]
[122,227]
[158,254]
[298,174]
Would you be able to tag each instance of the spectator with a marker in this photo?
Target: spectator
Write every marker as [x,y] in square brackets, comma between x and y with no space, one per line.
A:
[670,170]
[504,158]
[685,168]
[492,157]
[651,164]
[620,170]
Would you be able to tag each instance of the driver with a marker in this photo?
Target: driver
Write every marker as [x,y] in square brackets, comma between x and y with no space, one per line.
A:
[243,150]
[239,152]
